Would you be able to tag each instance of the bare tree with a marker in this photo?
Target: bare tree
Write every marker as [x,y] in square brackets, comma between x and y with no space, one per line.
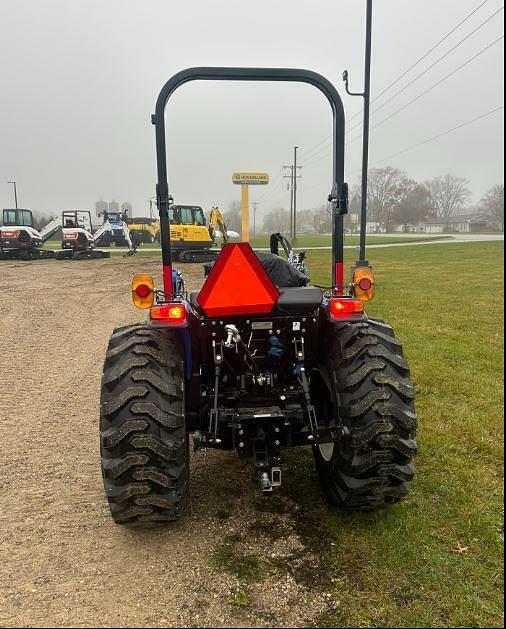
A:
[387,187]
[232,216]
[305,221]
[322,220]
[448,195]
[414,204]
[493,205]
[40,220]
[277,220]
[352,219]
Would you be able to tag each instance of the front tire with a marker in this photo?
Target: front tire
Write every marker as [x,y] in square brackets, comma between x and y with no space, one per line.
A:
[144,445]
[364,390]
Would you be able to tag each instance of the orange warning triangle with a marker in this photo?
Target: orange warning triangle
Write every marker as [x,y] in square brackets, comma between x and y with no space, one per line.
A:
[237,284]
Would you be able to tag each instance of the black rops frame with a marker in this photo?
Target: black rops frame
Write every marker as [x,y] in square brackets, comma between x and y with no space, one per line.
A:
[339,192]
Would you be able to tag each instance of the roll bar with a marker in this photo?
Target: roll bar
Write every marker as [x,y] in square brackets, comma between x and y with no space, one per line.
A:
[339,192]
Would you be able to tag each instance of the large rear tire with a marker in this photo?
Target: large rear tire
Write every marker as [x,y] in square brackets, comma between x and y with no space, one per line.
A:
[363,388]
[142,429]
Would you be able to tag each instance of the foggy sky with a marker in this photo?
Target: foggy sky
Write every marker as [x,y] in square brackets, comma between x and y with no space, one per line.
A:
[79,80]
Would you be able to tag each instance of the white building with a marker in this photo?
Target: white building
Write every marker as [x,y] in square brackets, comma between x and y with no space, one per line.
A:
[460,223]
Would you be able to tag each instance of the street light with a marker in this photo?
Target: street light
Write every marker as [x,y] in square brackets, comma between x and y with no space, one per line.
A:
[15,193]
[152,201]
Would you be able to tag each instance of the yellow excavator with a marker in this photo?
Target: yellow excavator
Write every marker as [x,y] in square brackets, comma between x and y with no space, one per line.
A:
[191,239]
[144,230]
[217,222]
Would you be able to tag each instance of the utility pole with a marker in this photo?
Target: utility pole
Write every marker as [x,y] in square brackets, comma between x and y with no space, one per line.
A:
[289,187]
[292,186]
[294,239]
[255,203]
[15,193]
[366,94]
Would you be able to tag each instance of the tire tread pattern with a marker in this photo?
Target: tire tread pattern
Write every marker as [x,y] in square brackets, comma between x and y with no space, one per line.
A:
[371,466]
[143,440]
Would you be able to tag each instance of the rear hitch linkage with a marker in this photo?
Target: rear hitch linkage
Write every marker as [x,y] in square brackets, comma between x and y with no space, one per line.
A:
[300,358]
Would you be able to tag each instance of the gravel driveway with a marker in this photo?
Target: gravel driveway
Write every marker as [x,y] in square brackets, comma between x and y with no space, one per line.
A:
[233,561]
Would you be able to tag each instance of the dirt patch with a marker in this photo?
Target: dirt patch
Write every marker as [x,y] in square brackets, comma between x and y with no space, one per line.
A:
[64,561]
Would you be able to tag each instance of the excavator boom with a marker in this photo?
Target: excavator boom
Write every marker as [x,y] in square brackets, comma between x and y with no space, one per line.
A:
[216,221]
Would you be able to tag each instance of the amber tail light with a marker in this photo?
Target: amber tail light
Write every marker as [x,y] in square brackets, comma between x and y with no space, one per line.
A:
[143,291]
[364,283]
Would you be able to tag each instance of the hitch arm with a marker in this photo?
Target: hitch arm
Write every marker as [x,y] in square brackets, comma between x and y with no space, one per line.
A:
[300,357]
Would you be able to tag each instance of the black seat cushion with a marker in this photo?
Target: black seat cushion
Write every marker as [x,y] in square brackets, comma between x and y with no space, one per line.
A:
[297,300]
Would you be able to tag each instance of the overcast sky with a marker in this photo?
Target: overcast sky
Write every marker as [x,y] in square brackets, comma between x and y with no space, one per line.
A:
[79,79]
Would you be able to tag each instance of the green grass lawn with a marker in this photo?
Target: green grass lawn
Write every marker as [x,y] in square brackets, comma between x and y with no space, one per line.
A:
[436,559]
[402,566]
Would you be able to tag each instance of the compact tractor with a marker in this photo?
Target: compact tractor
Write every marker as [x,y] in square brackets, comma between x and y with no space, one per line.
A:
[255,362]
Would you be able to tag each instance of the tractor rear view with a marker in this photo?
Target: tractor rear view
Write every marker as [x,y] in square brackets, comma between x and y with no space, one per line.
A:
[256,361]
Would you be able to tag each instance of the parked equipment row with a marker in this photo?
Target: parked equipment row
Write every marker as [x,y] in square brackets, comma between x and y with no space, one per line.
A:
[20,240]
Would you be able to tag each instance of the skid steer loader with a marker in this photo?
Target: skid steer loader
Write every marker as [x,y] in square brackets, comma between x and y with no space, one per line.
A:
[251,365]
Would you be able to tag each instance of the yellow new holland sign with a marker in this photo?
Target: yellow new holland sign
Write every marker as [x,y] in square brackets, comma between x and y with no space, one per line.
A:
[250,179]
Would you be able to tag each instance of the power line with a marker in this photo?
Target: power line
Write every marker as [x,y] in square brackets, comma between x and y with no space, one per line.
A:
[431,139]
[419,76]
[424,56]
[440,135]
[311,150]
[273,195]
[416,98]
[274,185]
[429,89]
[417,62]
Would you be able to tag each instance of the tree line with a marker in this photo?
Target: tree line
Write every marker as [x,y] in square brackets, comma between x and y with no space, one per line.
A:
[394,199]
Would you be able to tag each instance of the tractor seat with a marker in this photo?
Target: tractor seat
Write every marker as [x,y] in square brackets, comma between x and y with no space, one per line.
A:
[295,300]
[299,299]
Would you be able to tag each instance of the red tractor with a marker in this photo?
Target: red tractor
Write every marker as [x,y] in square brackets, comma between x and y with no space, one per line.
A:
[256,361]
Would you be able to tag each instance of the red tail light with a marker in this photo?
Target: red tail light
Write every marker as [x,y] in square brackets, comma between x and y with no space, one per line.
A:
[143,290]
[237,284]
[170,314]
[10,233]
[343,308]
